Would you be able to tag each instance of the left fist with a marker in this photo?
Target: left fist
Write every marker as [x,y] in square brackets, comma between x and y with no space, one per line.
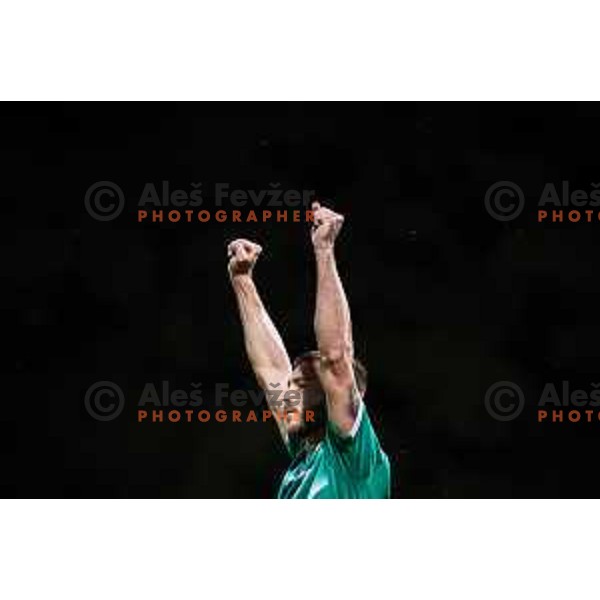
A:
[326,226]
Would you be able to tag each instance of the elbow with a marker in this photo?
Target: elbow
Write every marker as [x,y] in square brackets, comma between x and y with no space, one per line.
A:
[336,353]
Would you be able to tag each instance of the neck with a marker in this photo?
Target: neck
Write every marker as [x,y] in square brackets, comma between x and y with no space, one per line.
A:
[311,435]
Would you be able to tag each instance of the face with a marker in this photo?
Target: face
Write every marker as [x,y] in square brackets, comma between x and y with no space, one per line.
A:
[304,393]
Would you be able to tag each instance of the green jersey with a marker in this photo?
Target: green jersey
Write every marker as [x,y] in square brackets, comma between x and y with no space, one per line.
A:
[351,466]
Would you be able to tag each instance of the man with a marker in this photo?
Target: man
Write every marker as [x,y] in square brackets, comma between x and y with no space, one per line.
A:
[326,428]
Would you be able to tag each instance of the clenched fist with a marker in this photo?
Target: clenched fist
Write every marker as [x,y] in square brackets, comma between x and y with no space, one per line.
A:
[327,225]
[242,257]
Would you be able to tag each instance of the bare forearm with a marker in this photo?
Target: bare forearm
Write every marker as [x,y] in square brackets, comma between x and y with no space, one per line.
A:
[264,345]
[332,315]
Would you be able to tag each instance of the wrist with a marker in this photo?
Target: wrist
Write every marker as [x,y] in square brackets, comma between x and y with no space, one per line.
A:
[240,279]
[324,251]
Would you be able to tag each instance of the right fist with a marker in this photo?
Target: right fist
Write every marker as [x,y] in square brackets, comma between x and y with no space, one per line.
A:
[242,256]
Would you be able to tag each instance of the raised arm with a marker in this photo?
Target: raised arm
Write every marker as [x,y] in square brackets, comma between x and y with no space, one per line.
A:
[264,346]
[333,327]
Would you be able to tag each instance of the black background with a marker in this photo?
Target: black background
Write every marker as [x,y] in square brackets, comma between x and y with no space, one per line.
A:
[438,320]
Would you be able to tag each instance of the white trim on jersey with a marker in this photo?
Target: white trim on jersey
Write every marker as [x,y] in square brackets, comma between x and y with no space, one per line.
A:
[359,416]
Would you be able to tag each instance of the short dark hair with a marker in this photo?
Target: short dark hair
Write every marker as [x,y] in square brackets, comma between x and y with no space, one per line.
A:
[360,371]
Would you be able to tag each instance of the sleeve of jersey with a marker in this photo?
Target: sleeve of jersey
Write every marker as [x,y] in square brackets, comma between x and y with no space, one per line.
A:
[360,448]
